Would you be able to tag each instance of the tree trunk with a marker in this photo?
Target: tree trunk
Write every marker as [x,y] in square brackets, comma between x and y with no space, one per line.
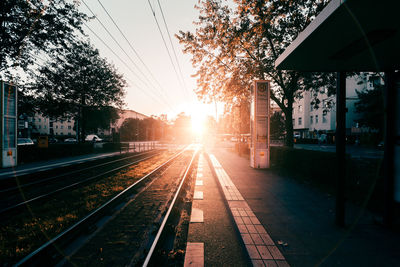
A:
[83,122]
[289,124]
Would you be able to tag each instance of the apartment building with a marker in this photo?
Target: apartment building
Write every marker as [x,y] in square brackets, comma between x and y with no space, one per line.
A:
[309,122]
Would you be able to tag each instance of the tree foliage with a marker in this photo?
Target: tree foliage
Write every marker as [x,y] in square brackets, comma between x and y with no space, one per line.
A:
[370,105]
[142,130]
[99,118]
[234,45]
[76,81]
[28,27]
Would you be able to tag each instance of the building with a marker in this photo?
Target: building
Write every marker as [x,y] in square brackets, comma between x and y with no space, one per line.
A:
[309,122]
[123,115]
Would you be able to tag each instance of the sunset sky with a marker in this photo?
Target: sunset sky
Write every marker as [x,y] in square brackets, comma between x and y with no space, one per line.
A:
[135,19]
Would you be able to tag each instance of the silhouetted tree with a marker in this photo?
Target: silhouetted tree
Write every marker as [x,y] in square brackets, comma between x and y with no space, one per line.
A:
[75,81]
[236,44]
[27,27]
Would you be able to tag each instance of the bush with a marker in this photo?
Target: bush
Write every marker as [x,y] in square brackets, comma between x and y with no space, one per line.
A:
[319,169]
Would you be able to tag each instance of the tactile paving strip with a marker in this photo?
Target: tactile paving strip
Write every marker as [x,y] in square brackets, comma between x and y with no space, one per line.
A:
[259,245]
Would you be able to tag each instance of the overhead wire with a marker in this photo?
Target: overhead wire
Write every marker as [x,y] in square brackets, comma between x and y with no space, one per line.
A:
[126,65]
[166,47]
[172,45]
[133,49]
[166,102]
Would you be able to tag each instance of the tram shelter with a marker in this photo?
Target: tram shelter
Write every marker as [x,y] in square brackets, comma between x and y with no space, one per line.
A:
[356,36]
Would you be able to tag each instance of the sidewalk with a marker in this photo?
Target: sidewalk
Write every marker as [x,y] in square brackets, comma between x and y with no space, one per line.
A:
[300,220]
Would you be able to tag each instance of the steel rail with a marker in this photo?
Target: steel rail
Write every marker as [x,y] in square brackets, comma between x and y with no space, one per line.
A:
[70,186]
[74,228]
[15,188]
[154,244]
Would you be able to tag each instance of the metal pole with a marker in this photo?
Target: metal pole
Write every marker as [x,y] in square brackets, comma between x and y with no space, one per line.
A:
[389,153]
[341,147]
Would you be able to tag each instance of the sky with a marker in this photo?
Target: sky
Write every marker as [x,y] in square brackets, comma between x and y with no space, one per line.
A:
[162,90]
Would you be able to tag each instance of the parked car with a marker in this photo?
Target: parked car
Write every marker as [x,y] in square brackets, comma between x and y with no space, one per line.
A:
[93,138]
[25,142]
[70,140]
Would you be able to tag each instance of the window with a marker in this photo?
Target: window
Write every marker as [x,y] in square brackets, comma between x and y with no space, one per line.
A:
[300,121]
[311,119]
[39,126]
[56,126]
[69,127]
[316,119]
[40,120]
[300,108]
[62,126]
[324,120]
[44,127]
[311,106]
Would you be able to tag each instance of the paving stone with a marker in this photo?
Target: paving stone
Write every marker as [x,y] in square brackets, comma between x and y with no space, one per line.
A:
[238,220]
[267,239]
[194,254]
[253,253]
[247,220]
[264,252]
[199,182]
[196,216]
[257,239]
[199,175]
[260,229]
[247,239]
[235,213]
[275,253]
[242,213]
[251,229]
[282,263]
[258,263]
[254,220]
[242,229]
[270,263]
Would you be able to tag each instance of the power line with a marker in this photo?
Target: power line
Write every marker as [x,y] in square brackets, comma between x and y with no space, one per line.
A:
[172,45]
[165,44]
[119,45]
[126,65]
[133,49]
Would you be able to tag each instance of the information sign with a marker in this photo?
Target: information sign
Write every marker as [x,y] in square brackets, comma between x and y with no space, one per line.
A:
[259,119]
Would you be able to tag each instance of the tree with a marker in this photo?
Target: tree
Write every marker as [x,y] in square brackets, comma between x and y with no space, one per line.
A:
[99,118]
[31,26]
[277,125]
[76,81]
[234,45]
[371,107]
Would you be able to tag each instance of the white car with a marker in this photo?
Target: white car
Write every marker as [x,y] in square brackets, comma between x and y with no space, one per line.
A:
[93,138]
[70,140]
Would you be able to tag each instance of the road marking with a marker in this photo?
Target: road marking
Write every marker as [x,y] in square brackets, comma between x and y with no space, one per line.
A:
[196,216]
[194,254]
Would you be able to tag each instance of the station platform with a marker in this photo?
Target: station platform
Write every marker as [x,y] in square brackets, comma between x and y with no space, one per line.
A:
[247,217]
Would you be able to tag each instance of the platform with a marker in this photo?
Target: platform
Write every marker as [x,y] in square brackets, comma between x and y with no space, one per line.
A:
[256,217]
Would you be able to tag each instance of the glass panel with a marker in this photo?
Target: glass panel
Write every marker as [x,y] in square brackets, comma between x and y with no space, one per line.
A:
[9,133]
[9,100]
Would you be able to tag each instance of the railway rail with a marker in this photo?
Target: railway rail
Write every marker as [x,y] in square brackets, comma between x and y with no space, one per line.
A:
[142,209]
[10,196]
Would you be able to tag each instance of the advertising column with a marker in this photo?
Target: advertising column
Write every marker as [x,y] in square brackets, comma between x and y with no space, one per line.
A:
[259,120]
[8,125]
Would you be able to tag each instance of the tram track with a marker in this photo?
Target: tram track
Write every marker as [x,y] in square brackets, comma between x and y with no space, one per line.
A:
[24,232]
[71,180]
[131,222]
